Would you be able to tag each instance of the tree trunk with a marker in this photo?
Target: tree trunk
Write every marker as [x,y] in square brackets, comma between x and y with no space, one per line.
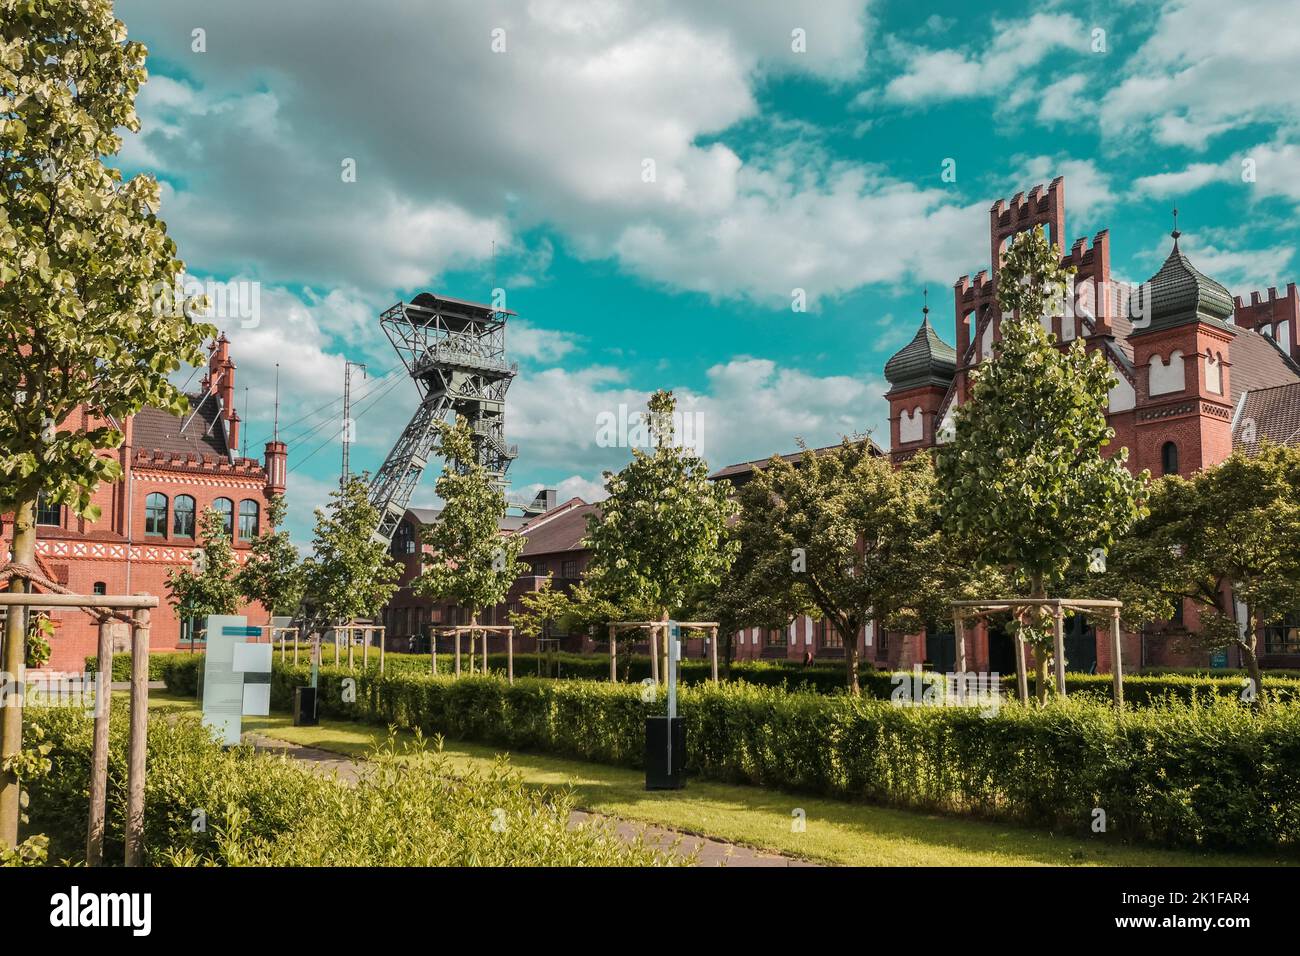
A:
[473,623]
[1040,655]
[15,656]
[851,659]
[1252,660]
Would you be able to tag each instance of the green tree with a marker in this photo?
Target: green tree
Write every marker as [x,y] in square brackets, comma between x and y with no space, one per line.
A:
[662,532]
[1024,483]
[469,561]
[350,573]
[541,610]
[82,255]
[841,536]
[273,574]
[1230,535]
[209,585]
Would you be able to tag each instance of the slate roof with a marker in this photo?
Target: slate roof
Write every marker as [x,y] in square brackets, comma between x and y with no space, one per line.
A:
[1258,363]
[427,516]
[739,473]
[926,360]
[1272,413]
[563,532]
[156,430]
[1181,293]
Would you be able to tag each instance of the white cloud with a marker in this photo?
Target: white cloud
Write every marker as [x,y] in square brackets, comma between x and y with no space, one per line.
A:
[553,131]
[1209,67]
[750,408]
[1017,46]
[1180,182]
[531,343]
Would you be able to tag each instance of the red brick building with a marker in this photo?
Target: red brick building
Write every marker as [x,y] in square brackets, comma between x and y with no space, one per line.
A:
[553,547]
[1200,373]
[173,469]
[805,637]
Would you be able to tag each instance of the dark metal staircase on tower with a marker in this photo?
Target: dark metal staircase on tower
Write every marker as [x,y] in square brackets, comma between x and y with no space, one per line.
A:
[456,353]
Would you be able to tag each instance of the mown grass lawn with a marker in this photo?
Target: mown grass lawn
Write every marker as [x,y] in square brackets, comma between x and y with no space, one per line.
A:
[835,831]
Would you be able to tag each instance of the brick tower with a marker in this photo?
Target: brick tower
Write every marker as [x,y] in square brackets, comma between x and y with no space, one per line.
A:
[1183,360]
[919,376]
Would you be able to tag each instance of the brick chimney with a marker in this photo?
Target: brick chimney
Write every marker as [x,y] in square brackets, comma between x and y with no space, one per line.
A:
[221,372]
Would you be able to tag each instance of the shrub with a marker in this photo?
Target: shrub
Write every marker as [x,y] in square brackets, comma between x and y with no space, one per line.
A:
[1209,773]
[407,808]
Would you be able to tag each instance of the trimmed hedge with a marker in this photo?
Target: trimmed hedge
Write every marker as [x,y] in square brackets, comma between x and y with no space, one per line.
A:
[1212,773]
[1140,690]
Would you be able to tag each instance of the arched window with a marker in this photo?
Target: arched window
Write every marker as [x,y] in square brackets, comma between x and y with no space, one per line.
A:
[183,517]
[1169,459]
[155,515]
[226,508]
[248,512]
[100,588]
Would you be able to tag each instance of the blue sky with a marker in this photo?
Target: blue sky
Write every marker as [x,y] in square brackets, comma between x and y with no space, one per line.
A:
[775,170]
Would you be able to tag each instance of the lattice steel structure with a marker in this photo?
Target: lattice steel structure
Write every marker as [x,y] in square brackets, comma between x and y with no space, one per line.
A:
[456,353]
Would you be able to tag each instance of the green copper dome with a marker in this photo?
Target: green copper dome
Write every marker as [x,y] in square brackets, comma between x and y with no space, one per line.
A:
[1180,294]
[926,360]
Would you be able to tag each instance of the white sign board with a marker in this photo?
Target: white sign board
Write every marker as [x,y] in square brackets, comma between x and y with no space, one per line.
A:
[236,676]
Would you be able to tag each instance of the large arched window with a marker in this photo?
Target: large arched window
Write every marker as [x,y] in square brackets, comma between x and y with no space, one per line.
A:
[226,508]
[1169,459]
[248,512]
[183,517]
[155,515]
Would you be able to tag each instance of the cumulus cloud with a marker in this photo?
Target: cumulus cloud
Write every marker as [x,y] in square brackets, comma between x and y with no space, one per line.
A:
[749,408]
[1186,84]
[984,70]
[555,130]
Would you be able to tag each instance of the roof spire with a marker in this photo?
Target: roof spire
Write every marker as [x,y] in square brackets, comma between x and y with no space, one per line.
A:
[1175,233]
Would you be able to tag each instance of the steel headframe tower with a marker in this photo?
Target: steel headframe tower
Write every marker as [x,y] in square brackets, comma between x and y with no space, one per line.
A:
[456,352]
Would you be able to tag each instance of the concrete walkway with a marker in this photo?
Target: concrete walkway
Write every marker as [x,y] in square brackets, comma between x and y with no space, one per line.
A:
[709,852]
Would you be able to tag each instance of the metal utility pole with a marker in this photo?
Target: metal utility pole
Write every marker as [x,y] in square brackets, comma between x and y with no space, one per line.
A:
[348,426]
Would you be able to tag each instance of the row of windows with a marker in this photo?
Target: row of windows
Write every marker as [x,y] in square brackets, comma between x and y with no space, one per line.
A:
[184,513]
[184,516]
[825,631]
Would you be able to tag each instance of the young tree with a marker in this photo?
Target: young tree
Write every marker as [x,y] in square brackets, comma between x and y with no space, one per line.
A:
[82,253]
[273,574]
[1024,482]
[1228,541]
[541,609]
[469,561]
[661,533]
[349,573]
[209,587]
[841,536]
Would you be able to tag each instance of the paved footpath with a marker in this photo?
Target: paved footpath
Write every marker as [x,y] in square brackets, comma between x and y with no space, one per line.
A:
[709,852]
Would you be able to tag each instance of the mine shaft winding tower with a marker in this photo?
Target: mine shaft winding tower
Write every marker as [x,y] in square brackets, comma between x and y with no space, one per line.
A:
[456,353]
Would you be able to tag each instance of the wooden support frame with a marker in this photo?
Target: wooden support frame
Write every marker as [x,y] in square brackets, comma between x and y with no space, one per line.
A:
[965,610]
[139,705]
[369,630]
[107,607]
[655,627]
[507,629]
